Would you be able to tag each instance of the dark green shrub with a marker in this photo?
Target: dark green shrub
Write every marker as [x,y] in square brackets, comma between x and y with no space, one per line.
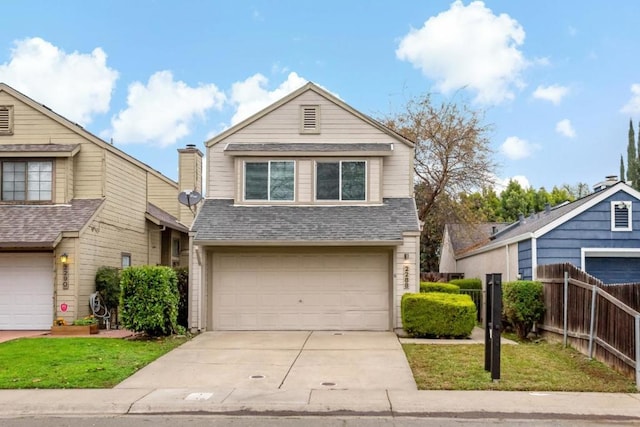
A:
[108,284]
[439,287]
[182,274]
[438,315]
[149,300]
[522,305]
[467,283]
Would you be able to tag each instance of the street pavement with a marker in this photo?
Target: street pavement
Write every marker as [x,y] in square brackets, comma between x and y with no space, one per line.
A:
[304,374]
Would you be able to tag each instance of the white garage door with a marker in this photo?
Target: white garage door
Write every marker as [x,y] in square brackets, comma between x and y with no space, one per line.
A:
[26,291]
[301,291]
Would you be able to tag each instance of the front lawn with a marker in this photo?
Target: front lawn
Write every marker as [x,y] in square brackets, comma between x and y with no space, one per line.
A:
[76,362]
[528,366]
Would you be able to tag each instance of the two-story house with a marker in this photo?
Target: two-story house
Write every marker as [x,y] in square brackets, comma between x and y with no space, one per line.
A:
[70,203]
[309,221]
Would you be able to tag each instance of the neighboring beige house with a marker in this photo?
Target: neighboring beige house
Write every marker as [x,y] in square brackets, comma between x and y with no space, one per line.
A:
[70,203]
[309,221]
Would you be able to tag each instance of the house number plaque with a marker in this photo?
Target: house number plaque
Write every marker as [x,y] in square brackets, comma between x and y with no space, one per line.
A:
[65,276]
[406,276]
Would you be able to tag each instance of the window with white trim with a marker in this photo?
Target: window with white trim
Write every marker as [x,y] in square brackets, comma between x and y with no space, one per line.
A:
[26,180]
[621,216]
[125,259]
[309,119]
[6,119]
[343,180]
[272,180]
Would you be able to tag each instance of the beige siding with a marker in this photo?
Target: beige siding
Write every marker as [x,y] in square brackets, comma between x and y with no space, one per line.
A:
[67,296]
[305,181]
[374,180]
[163,194]
[336,126]
[503,260]
[410,246]
[190,167]
[398,172]
[447,256]
[62,180]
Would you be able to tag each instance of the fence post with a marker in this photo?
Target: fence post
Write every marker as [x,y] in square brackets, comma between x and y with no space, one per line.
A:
[565,309]
[592,321]
[638,352]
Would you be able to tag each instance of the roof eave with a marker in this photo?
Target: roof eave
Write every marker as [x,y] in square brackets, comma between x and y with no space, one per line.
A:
[272,243]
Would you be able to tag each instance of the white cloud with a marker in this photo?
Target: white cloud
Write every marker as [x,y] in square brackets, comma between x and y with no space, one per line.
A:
[163,110]
[553,93]
[75,85]
[251,95]
[564,127]
[469,46]
[502,183]
[633,105]
[516,148]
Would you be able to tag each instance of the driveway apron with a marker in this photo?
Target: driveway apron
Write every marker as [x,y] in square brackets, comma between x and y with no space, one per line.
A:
[289,360]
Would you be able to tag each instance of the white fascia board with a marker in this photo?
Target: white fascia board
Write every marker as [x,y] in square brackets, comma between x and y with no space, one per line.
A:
[599,198]
[607,252]
[492,246]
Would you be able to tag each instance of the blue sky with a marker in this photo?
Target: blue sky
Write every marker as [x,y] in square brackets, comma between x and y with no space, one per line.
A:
[559,80]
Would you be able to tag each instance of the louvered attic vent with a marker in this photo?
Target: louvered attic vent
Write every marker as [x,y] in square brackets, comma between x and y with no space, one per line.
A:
[6,120]
[621,215]
[310,119]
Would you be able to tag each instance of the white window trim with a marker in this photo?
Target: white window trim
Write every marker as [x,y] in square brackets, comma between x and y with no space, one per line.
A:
[629,226]
[366,181]
[244,181]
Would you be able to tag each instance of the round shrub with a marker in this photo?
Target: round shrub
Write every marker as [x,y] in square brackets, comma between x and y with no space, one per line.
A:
[439,287]
[467,283]
[522,305]
[108,284]
[438,315]
[149,300]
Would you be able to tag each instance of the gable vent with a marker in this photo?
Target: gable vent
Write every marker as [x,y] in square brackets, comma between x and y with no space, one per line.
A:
[310,119]
[6,120]
[621,216]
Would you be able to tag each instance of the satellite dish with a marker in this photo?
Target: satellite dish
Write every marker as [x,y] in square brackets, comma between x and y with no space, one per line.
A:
[189,198]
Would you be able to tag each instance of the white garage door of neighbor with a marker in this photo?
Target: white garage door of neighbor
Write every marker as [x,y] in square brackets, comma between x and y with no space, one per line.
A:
[26,291]
[301,291]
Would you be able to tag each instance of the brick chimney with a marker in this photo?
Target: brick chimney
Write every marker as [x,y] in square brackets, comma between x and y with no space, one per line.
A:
[189,178]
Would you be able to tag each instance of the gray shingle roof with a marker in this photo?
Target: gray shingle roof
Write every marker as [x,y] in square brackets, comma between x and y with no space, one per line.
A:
[40,226]
[165,218]
[220,221]
[307,147]
[465,237]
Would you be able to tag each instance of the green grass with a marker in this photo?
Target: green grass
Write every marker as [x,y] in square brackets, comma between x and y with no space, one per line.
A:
[76,362]
[531,366]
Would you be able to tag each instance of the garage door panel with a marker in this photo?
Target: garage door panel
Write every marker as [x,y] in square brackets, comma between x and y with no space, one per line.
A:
[26,290]
[313,290]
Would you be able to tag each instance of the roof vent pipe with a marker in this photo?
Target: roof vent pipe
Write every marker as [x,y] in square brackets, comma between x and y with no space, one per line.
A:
[547,207]
[521,218]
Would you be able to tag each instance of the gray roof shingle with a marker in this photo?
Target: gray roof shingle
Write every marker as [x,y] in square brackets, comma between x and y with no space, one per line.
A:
[165,218]
[29,148]
[40,226]
[219,220]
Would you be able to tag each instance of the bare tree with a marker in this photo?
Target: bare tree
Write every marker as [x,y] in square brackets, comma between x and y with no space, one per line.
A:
[452,156]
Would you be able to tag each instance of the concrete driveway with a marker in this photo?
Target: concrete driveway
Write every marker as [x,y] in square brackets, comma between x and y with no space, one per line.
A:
[281,361]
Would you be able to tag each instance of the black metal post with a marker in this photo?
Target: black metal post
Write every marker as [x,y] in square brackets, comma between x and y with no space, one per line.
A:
[493,323]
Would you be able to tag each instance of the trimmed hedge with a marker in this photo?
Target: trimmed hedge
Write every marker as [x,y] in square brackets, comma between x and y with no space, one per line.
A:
[434,314]
[149,300]
[467,283]
[522,305]
[182,273]
[447,288]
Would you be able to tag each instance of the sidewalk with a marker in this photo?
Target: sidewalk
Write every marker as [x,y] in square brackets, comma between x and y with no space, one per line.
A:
[462,404]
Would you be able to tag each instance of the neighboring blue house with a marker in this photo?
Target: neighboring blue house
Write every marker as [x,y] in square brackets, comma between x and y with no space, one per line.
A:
[599,233]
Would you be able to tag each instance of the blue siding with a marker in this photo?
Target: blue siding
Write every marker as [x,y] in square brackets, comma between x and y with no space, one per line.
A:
[614,270]
[590,229]
[524,259]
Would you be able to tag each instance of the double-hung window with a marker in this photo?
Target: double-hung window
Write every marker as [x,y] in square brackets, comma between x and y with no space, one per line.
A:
[343,180]
[26,180]
[272,180]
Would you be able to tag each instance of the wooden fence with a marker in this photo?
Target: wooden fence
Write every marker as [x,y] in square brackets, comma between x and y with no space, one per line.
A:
[581,309]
